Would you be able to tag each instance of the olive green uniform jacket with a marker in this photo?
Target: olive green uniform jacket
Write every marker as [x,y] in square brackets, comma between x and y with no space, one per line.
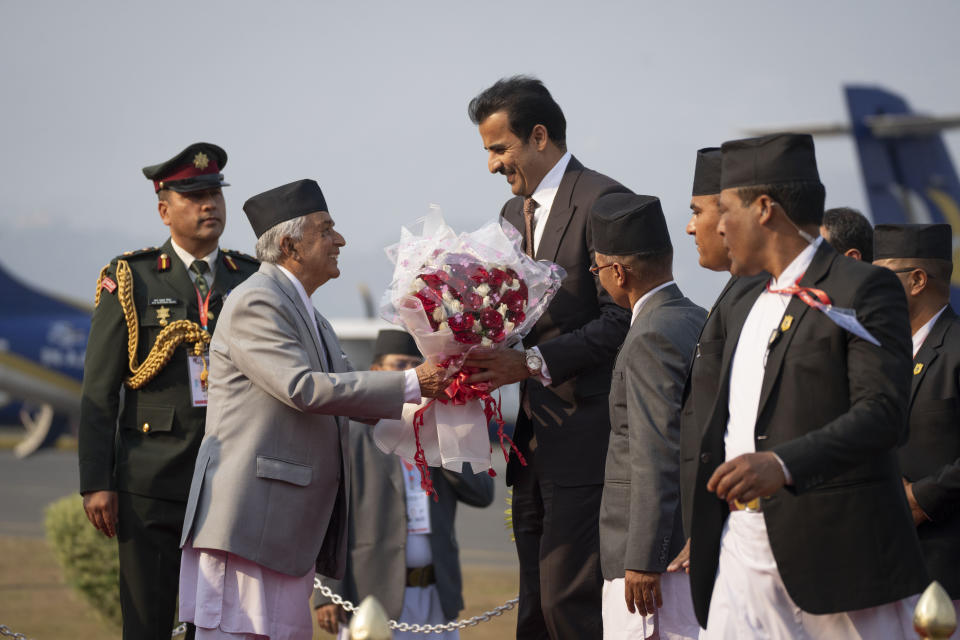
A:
[152,450]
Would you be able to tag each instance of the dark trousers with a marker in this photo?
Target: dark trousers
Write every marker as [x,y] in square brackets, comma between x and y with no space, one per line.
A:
[148,533]
[558,546]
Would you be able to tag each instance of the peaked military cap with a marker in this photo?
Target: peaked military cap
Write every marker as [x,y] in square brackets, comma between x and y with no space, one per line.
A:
[913,241]
[706,173]
[627,223]
[394,341]
[772,159]
[270,208]
[195,168]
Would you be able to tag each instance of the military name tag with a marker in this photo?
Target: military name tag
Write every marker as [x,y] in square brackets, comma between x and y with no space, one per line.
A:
[163,301]
[198,388]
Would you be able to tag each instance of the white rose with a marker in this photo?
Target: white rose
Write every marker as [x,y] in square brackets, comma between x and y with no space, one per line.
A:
[508,326]
[446,268]
[486,342]
[419,284]
[504,287]
[439,315]
[453,306]
[514,285]
[502,310]
[483,289]
[487,302]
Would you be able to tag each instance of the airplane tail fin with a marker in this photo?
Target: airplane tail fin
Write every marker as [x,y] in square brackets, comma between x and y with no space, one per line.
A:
[908,174]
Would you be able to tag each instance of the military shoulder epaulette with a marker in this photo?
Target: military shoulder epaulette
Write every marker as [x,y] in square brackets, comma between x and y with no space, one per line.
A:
[229,255]
[146,251]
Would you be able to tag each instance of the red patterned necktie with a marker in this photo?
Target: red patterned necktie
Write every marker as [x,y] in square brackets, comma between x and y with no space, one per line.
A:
[529,207]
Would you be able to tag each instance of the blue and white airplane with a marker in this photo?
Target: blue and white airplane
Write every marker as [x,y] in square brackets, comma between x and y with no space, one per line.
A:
[42,345]
[907,172]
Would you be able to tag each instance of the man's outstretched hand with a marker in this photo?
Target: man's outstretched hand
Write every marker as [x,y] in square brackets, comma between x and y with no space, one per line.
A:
[498,367]
[433,379]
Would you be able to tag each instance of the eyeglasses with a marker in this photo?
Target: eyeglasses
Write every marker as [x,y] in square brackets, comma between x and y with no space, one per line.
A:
[595,269]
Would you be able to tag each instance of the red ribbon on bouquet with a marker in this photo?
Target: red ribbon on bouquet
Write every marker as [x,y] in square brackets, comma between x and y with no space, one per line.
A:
[460,392]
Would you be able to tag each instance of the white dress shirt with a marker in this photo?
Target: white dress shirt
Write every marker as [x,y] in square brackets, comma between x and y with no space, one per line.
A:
[643,299]
[187,259]
[544,196]
[750,358]
[921,335]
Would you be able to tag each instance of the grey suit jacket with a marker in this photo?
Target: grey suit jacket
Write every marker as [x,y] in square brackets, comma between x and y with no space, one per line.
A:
[640,517]
[270,479]
[377,531]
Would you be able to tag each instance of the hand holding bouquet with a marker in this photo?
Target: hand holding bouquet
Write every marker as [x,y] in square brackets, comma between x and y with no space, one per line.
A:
[454,293]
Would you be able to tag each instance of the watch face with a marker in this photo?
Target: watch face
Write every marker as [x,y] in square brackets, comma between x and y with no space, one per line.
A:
[534,363]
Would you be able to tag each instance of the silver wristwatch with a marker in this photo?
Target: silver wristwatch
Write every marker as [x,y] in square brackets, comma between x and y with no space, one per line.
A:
[534,362]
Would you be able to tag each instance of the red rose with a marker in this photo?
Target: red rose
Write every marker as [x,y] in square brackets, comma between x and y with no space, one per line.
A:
[494,299]
[522,290]
[467,337]
[498,335]
[429,300]
[498,277]
[432,280]
[473,301]
[514,301]
[453,292]
[460,322]
[478,274]
[516,317]
[491,319]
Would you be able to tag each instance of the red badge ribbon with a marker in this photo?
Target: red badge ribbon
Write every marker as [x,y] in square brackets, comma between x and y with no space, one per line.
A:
[815,298]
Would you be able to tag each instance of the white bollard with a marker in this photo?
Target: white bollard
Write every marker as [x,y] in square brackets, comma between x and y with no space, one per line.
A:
[370,622]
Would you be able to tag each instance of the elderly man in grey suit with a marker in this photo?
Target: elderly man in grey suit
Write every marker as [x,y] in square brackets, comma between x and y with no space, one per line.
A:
[402,547]
[640,517]
[267,505]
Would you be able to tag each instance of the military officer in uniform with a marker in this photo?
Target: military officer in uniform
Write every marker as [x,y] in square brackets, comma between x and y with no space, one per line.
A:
[143,403]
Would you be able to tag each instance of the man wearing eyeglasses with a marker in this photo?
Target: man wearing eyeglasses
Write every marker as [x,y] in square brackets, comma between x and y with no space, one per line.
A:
[922,257]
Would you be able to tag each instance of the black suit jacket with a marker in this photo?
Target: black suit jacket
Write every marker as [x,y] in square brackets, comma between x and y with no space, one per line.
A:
[700,389]
[833,407]
[931,457]
[578,335]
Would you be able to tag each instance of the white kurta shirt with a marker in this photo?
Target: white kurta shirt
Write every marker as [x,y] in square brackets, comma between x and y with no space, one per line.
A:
[750,356]
[544,196]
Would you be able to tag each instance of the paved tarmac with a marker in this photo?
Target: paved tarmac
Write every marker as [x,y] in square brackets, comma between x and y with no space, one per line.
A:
[27,486]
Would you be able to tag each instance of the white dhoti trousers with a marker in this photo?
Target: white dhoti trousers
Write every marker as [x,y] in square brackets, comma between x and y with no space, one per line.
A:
[750,600]
[675,620]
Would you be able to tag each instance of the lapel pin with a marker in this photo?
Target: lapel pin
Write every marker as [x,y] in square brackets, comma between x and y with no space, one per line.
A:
[918,368]
[786,323]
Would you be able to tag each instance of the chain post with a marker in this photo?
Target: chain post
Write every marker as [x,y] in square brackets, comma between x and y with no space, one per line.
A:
[486,616]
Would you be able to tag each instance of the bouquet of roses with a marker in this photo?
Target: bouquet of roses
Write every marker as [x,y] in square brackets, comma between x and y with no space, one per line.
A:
[454,293]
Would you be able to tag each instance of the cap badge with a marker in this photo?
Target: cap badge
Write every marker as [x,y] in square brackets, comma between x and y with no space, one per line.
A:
[918,368]
[200,161]
[163,315]
[786,323]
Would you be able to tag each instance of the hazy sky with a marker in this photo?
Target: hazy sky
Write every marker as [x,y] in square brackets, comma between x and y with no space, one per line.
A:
[369,98]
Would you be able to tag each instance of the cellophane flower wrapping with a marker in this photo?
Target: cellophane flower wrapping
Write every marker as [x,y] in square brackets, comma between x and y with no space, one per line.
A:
[454,293]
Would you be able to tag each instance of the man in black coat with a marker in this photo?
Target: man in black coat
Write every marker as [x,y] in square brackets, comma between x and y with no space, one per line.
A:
[922,257]
[800,524]
[563,426]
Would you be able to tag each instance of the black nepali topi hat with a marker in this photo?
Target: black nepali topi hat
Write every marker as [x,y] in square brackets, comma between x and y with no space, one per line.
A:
[772,159]
[706,173]
[195,168]
[913,241]
[270,208]
[627,224]
[394,341]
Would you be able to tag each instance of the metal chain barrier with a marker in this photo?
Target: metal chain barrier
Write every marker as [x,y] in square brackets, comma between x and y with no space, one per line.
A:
[7,633]
[420,628]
